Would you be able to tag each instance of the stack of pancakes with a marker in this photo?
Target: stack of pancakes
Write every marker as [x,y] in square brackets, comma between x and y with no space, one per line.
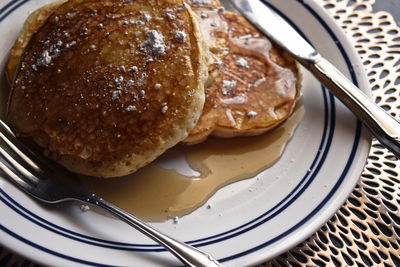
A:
[107,86]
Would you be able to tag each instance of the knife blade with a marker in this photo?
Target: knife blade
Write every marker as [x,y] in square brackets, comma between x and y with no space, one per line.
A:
[381,124]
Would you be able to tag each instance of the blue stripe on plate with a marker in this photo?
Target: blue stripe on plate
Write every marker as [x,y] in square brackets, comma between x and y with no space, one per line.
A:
[296,192]
[7,6]
[349,162]
[70,234]
[316,165]
[313,174]
[52,252]
[209,240]
[14,5]
[286,202]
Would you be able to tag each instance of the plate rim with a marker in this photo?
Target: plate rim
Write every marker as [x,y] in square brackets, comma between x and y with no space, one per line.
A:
[300,1]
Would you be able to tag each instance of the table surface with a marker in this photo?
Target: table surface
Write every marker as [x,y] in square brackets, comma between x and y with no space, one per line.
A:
[391,6]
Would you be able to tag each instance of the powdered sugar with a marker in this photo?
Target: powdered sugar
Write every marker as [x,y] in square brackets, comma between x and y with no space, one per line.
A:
[239,99]
[129,83]
[170,13]
[115,95]
[252,113]
[153,44]
[48,55]
[164,109]
[119,80]
[133,69]
[228,86]
[72,43]
[130,108]
[140,81]
[242,63]
[44,60]
[180,36]
[200,3]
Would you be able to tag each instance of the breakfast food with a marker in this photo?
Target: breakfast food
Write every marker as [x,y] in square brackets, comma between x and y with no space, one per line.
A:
[107,86]
[204,3]
[254,85]
[34,20]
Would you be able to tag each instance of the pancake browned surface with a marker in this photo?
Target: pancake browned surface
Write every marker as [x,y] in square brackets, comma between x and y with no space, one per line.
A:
[34,21]
[214,27]
[204,3]
[107,86]
[256,85]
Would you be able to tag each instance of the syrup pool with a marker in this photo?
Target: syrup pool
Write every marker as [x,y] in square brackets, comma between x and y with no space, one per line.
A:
[155,193]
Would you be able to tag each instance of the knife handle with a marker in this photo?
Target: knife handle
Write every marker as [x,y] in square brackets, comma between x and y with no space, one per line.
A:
[381,124]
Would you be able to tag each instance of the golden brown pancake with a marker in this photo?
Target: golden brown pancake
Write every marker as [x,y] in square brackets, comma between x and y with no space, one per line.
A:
[107,86]
[214,27]
[204,3]
[32,23]
[255,85]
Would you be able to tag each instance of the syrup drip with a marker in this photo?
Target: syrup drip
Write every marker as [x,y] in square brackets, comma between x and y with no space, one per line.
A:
[253,84]
[157,194]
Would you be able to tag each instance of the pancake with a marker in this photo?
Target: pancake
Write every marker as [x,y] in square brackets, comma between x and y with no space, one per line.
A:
[33,22]
[215,31]
[255,84]
[204,3]
[105,87]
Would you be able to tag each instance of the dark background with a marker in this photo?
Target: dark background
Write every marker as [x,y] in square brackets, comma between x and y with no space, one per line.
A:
[391,6]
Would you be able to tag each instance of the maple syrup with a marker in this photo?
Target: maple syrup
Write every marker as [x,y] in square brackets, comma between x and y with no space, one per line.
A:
[155,194]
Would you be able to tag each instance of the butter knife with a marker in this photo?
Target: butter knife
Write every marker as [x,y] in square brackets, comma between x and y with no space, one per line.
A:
[381,124]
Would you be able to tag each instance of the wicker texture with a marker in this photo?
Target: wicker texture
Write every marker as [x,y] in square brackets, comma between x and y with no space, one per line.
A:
[366,230]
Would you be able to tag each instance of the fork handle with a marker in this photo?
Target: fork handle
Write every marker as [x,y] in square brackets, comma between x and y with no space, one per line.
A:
[382,125]
[188,255]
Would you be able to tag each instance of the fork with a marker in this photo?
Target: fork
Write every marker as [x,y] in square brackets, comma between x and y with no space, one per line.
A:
[35,175]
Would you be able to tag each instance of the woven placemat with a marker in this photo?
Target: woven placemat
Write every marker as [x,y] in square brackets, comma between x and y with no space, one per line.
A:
[366,229]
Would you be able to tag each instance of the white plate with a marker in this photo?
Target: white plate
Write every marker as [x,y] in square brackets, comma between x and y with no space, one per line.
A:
[292,200]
